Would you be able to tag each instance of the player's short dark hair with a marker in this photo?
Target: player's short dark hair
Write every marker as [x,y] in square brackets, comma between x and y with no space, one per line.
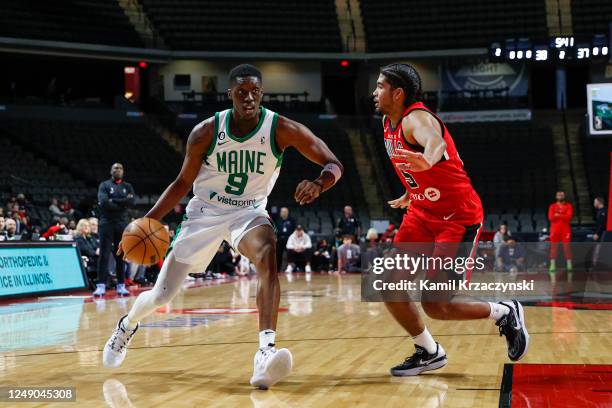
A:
[244,70]
[406,77]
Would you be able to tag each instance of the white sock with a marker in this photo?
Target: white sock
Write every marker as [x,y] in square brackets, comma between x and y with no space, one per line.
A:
[498,311]
[267,338]
[426,341]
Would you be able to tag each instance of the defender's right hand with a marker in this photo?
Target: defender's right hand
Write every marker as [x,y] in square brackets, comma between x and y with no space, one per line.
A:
[402,202]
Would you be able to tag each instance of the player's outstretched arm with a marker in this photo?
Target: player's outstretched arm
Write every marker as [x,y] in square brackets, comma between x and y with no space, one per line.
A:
[426,132]
[291,133]
[197,146]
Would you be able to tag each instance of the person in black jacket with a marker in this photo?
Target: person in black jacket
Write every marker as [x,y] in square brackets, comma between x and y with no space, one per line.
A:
[115,196]
[284,228]
[600,218]
[88,247]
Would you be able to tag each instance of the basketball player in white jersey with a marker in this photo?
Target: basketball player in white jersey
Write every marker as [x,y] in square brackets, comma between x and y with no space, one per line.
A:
[232,162]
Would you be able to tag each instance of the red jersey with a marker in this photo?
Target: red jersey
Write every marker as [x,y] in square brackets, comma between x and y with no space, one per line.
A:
[560,215]
[445,190]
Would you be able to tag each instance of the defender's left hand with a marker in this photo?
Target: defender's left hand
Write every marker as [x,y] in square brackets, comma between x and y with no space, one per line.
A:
[307,191]
[411,161]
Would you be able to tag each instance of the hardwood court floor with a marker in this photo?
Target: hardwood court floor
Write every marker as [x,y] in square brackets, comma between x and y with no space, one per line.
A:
[184,356]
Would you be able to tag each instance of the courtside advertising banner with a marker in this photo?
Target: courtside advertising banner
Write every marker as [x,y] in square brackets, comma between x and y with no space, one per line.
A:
[39,268]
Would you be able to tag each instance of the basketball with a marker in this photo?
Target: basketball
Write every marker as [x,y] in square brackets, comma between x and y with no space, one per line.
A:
[145,241]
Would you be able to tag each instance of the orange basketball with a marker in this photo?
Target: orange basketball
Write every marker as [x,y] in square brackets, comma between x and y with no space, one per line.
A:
[145,241]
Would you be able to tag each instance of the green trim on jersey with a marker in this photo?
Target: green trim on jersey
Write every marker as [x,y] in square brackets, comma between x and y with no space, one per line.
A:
[275,149]
[246,137]
[213,142]
[279,162]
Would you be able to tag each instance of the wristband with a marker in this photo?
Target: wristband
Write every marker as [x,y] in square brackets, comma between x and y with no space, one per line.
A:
[334,169]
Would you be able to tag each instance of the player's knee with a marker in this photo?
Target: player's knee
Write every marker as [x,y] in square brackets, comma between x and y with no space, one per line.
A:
[437,310]
[266,257]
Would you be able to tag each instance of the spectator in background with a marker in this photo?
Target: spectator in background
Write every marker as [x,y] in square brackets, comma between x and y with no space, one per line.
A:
[93,230]
[58,228]
[511,256]
[500,238]
[67,207]
[349,256]
[3,235]
[348,224]
[372,249]
[87,246]
[54,208]
[321,258]
[176,216]
[600,218]
[560,214]
[372,237]
[11,230]
[284,228]
[224,261]
[389,234]
[72,226]
[600,228]
[115,197]
[298,251]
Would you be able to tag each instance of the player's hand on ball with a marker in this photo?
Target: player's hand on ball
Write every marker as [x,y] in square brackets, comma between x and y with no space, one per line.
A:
[411,161]
[402,202]
[307,191]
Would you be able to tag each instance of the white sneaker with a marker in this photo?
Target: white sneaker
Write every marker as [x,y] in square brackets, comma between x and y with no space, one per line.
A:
[308,269]
[121,290]
[100,290]
[270,366]
[115,348]
[289,268]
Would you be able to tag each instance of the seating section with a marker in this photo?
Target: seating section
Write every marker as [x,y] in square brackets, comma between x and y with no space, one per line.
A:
[591,16]
[24,172]
[88,149]
[324,212]
[84,21]
[447,24]
[268,25]
[511,166]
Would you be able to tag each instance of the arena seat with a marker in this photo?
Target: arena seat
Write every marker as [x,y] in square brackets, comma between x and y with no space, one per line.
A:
[217,25]
[591,16]
[447,24]
[83,21]
[88,149]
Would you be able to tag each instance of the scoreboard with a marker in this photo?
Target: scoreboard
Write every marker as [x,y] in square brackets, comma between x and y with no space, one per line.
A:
[561,48]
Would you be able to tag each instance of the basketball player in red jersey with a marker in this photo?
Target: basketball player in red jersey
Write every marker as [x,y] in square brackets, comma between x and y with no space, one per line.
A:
[560,215]
[442,208]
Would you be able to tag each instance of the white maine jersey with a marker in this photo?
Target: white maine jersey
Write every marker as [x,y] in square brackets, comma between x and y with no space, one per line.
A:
[238,172]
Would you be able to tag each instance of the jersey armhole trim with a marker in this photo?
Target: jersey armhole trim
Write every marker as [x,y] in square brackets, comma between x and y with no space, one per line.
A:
[420,148]
[275,149]
[213,142]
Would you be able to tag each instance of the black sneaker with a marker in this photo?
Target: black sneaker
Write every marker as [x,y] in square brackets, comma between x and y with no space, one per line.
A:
[513,327]
[421,361]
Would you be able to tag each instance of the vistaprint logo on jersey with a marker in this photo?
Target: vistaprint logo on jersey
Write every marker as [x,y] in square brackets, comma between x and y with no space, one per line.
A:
[231,201]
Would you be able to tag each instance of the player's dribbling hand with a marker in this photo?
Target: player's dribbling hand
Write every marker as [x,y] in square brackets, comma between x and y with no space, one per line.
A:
[410,161]
[306,192]
[402,202]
